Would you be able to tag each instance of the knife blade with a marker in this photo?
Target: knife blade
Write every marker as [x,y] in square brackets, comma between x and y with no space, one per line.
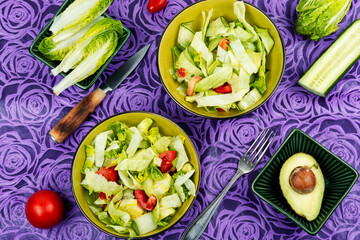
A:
[85,107]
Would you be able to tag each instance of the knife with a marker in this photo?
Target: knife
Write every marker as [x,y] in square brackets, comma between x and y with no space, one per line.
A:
[83,109]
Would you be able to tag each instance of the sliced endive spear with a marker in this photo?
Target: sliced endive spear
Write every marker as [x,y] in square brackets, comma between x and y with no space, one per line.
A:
[57,50]
[77,54]
[76,16]
[99,49]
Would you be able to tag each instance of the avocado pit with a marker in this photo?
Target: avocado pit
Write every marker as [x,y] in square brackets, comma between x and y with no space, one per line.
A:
[302,180]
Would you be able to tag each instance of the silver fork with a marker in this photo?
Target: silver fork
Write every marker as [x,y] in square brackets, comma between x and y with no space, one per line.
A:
[246,164]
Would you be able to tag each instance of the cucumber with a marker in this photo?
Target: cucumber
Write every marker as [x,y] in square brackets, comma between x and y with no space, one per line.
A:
[249,99]
[145,223]
[334,63]
[186,35]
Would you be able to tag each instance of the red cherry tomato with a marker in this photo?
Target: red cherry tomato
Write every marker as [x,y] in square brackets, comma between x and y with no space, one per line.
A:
[182,72]
[44,209]
[224,44]
[109,173]
[156,5]
[225,88]
[167,158]
[147,203]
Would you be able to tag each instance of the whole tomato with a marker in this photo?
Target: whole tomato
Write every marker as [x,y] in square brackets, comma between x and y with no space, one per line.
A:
[156,5]
[44,209]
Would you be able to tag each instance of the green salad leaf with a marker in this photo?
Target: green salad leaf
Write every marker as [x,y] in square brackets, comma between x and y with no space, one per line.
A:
[77,15]
[99,49]
[319,18]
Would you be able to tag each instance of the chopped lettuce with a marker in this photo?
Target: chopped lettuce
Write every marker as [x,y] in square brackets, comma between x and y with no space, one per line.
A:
[144,126]
[178,185]
[171,201]
[177,144]
[161,145]
[118,216]
[139,162]
[134,143]
[128,180]
[90,158]
[100,144]
[97,183]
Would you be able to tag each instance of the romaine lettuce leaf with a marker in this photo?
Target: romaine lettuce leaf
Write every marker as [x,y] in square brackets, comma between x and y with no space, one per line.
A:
[170,201]
[162,144]
[178,146]
[139,162]
[78,14]
[144,126]
[96,53]
[97,183]
[128,180]
[100,144]
[221,99]
[57,50]
[134,143]
[216,79]
[118,216]
[90,158]
[180,180]
[320,18]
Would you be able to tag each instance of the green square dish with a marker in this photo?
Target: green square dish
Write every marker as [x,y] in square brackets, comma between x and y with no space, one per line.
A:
[89,81]
[339,178]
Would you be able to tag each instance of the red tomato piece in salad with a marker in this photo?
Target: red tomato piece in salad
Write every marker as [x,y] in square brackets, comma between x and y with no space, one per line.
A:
[102,195]
[182,72]
[167,158]
[225,88]
[224,44]
[168,155]
[191,85]
[109,173]
[147,203]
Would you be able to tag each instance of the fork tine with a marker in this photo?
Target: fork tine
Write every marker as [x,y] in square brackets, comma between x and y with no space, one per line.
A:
[256,152]
[258,144]
[256,141]
[266,148]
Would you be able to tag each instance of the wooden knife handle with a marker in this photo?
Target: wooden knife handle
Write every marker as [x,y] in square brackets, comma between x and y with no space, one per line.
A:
[76,116]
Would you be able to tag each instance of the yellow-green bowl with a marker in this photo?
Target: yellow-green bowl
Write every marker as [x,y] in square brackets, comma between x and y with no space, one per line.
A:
[275,60]
[166,127]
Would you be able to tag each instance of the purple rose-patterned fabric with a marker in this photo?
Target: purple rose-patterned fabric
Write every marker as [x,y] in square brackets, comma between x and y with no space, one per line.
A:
[30,160]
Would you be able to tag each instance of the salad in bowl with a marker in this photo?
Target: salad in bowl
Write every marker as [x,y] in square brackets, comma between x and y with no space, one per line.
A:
[135,179]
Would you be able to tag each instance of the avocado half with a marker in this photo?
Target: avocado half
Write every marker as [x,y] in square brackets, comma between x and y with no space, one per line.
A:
[307,205]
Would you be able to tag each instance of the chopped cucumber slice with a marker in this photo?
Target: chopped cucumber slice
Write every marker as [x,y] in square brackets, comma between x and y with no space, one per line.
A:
[250,99]
[186,35]
[333,64]
[145,223]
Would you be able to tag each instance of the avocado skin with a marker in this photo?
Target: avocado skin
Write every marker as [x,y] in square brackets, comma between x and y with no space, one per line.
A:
[306,205]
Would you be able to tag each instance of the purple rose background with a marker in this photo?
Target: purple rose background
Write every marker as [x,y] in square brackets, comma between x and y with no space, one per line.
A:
[30,161]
